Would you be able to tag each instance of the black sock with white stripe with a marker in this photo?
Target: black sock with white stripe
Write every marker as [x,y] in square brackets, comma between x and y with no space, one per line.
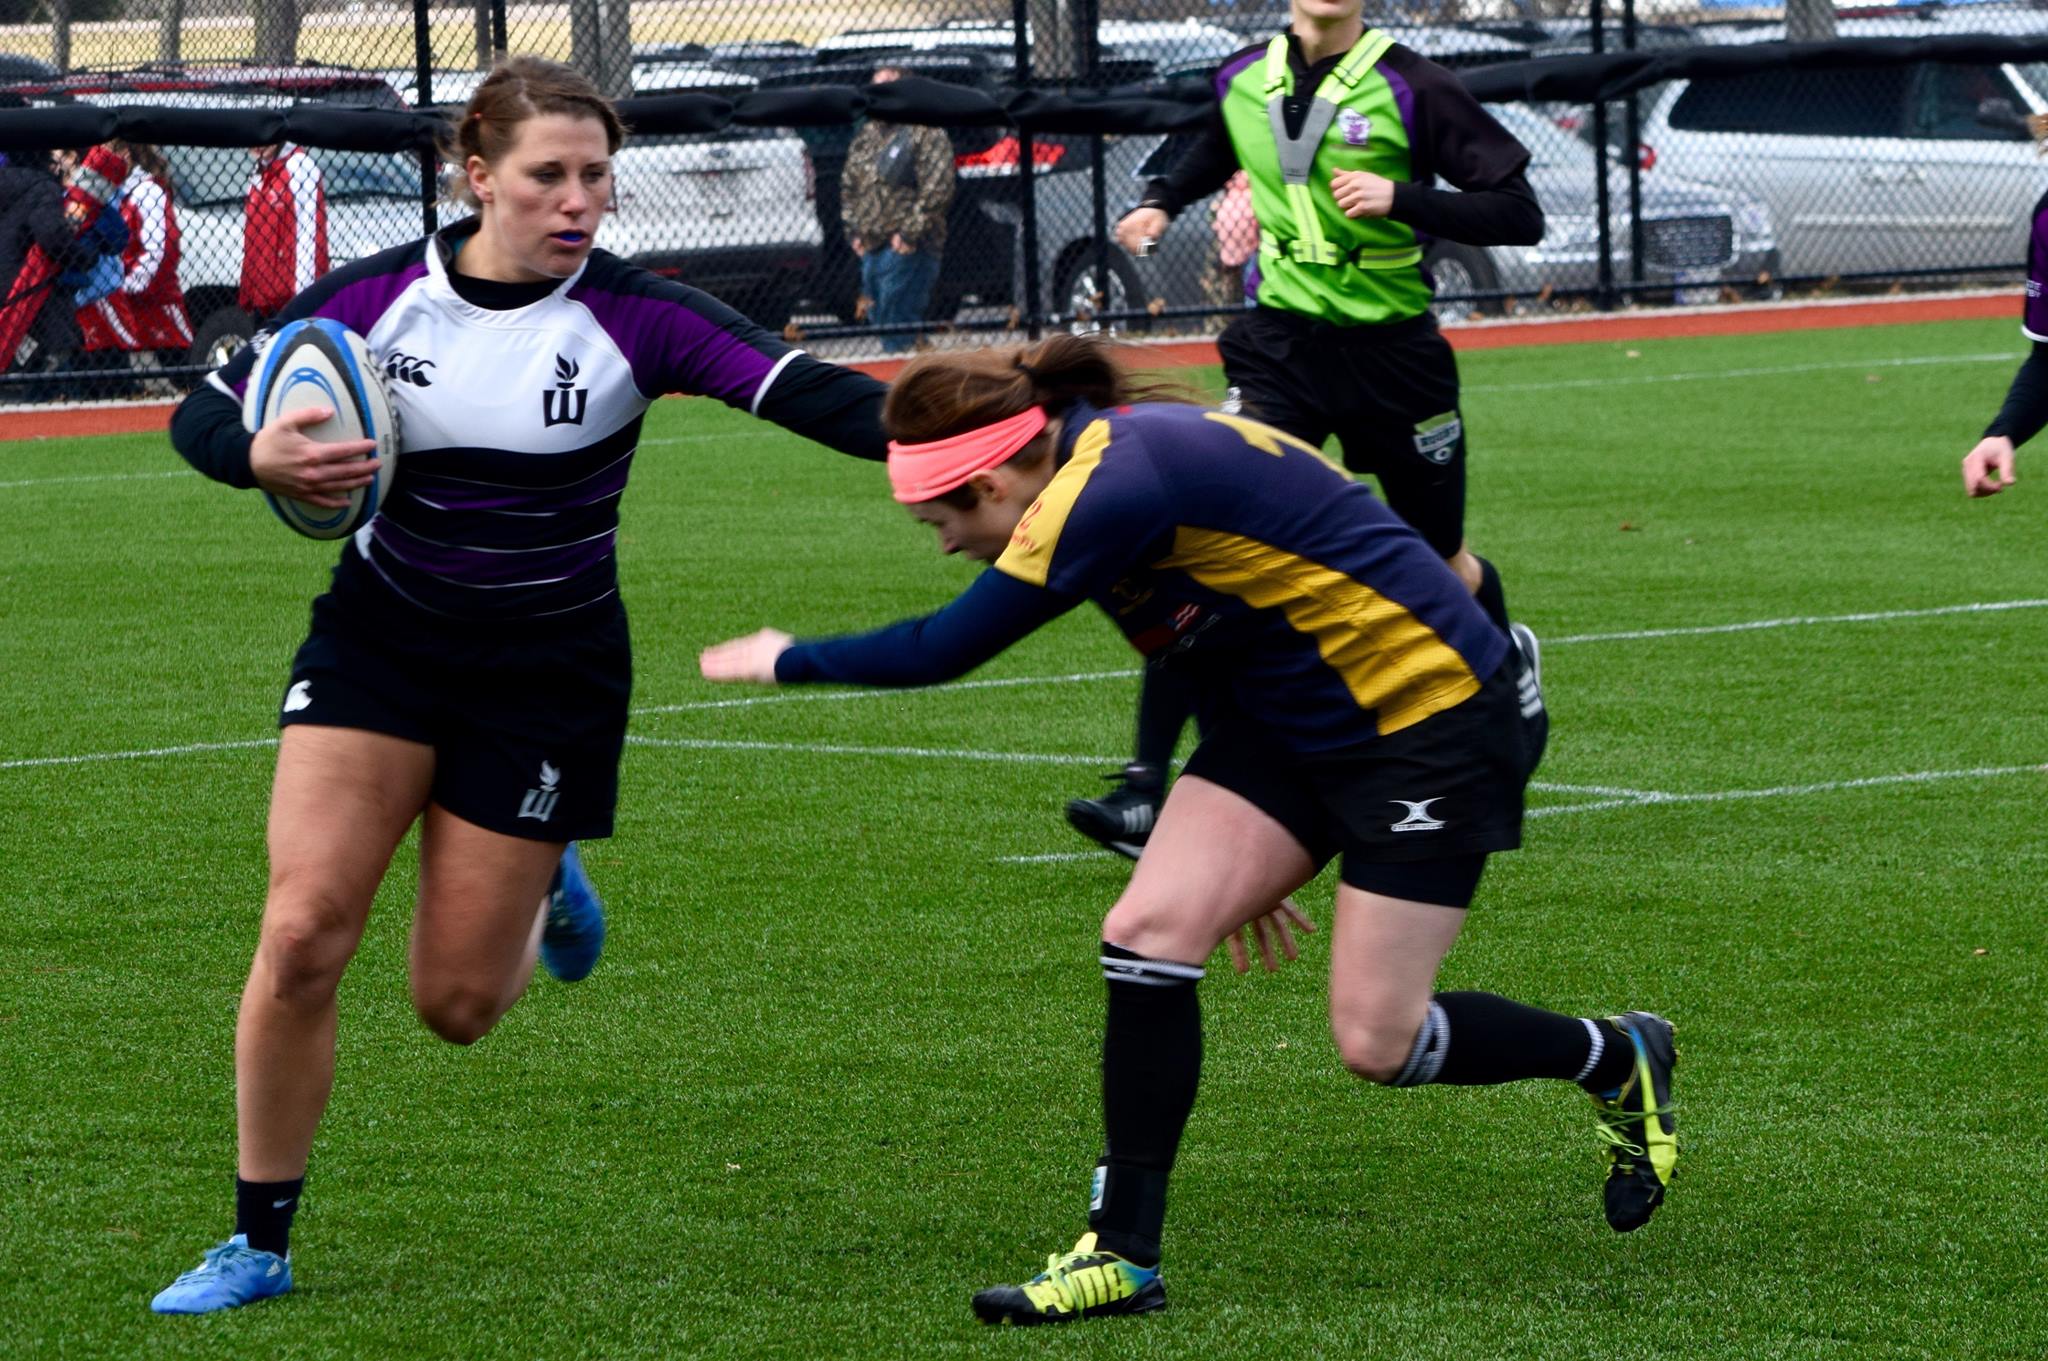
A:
[1477,1039]
[1151,1065]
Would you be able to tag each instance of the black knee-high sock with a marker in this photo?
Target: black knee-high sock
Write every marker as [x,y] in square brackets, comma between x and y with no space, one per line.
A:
[1490,596]
[264,1210]
[1151,1064]
[1165,700]
[1476,1039]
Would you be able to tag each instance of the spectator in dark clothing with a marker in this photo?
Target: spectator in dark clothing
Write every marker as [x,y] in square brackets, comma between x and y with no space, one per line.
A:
[31,216]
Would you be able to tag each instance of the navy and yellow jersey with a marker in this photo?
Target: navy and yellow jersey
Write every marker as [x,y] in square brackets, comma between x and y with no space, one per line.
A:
[1301,604]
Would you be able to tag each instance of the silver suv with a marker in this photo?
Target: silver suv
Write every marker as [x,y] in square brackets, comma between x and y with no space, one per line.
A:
[1881,169]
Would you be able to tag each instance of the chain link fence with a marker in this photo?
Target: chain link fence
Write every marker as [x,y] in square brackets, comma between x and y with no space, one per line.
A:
[1709,188]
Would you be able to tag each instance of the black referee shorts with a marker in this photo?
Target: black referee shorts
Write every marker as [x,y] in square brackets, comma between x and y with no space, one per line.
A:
[526,731]
[1388,393]
[1414,813]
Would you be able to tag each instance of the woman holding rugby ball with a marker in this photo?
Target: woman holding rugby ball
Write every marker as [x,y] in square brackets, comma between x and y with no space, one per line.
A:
[468,668]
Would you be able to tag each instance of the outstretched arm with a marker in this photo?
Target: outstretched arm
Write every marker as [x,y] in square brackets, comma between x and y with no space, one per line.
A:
[986,618]
[1988,468]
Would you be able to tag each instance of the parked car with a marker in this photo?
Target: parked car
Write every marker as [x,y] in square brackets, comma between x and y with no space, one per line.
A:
[1875,170]
[1695,235]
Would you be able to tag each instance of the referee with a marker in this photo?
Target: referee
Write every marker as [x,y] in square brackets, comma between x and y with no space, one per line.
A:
[1344,134]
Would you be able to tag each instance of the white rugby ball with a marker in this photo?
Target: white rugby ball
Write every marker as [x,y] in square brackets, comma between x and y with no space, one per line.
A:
[320,362]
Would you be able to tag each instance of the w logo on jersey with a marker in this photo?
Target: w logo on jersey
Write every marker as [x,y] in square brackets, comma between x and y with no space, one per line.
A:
[564,404]
[539,804]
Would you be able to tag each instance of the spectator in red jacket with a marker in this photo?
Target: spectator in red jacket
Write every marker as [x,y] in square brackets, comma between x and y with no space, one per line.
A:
[284,230]
[146,313]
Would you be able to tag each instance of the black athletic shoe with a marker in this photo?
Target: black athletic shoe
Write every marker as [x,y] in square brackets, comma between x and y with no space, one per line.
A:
[1637,1126]
[1084,1283]
[1123,818]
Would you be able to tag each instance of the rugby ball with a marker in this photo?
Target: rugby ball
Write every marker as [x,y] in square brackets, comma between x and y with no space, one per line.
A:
[320,362]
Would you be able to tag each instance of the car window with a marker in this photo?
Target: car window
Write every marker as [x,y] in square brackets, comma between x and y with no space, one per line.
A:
[1946,99]
[367,174]
[2035,73]
[1866,103]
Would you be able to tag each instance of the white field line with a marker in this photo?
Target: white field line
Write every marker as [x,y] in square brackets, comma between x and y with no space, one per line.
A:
[796,696]
[1762,371]
[1057,857]
[837,749]
[190,748]
[803,696]
[1747,626]
[1785,791]
[99,477]
[1796,621]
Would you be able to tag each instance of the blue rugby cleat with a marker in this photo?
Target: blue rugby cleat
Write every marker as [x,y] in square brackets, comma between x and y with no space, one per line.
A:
[574,935]
[229,1276]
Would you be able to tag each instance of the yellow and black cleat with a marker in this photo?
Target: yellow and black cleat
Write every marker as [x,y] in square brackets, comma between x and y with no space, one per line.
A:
[1084,1283]
[1638,1126]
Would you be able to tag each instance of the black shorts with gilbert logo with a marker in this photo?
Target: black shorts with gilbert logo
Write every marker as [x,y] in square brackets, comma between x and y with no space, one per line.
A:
[1448,788]
[526,731]
[1388,392]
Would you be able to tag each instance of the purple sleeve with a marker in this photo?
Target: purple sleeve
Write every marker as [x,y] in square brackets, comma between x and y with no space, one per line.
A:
[2034,320]
[356,296]
[678,338]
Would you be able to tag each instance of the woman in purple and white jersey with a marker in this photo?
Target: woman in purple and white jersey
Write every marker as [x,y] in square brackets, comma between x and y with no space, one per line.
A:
[1988,468]
[469,667]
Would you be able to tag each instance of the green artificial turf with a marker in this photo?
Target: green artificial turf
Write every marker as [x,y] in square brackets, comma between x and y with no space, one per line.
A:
[837,1069]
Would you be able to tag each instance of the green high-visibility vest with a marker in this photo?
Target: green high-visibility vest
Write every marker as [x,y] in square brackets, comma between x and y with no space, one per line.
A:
[1312,258]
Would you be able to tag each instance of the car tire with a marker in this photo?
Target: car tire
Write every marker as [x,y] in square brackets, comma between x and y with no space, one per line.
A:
[1459,269]
[1074,289]
[221,334]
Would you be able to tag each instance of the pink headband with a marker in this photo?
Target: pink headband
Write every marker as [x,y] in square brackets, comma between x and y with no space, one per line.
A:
[920,472]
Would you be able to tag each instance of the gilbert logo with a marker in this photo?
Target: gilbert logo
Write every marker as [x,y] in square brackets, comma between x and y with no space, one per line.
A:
[1418,819]
[539,804]
[564,403]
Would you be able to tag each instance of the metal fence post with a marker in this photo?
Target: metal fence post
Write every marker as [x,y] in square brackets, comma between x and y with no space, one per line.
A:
[423,75]
[1086,15]
[1027,180]
[499,47]
[1602,205]
[1632,135]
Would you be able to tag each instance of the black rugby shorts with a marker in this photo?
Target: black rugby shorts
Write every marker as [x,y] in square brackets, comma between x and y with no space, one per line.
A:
[526,732]
[1447,789]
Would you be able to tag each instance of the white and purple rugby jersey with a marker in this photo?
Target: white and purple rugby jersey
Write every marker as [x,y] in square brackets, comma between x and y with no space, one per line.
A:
[518,426]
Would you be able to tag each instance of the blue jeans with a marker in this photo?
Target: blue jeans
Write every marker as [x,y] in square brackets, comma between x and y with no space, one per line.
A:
[901,287]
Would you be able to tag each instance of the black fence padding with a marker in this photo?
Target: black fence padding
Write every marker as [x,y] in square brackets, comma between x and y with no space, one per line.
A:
[1165,106]
[657,114]
[798,106]
[154,123]
[1041,111]
[1587,79]
[39,129]
[916,99]
[340,127]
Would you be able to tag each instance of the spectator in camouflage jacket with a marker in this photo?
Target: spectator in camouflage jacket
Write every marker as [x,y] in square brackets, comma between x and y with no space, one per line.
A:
[894,193]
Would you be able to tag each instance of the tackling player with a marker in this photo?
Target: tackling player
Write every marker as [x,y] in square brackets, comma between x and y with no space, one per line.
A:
[1356,704]
[1344,134]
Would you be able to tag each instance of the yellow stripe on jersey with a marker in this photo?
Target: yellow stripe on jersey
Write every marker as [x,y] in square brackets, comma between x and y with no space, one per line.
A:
[1029,556]
[1270,440]
[1394,664]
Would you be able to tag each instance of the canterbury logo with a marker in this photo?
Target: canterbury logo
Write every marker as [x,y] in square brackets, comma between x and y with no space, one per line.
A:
[407,368]
[1418,819]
